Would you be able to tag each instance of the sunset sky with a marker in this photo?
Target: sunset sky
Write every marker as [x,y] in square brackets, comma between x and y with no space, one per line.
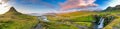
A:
[45,6]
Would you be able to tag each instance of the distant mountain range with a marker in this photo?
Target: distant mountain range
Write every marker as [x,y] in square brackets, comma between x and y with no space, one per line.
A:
[116,8]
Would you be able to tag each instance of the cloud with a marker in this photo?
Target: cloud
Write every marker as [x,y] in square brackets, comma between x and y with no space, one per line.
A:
[3,1]
[113,3]
[4,7]
[69,4]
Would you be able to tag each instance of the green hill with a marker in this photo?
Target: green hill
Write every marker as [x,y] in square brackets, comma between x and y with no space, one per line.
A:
[72,20]
[85,18]
[115,24]
[15,20]
[76,20]
[113,9]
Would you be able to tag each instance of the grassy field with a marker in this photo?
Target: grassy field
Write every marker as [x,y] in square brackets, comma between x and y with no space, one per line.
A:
[73,20]
[15,20]
[18,22]
[116,12]
[83,19]
[114,22]
[80,18]
[87,24]
[54,25]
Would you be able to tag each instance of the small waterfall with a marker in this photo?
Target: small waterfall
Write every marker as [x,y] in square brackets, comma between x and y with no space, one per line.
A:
[101,23]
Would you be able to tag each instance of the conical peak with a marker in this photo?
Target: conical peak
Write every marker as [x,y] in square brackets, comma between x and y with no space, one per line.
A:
[12,9]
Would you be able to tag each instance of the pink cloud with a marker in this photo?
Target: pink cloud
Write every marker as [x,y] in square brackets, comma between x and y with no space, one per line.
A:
[69,4]
[3,1]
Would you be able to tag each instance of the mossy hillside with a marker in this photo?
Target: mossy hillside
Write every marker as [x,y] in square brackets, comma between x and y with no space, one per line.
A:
[115,23]
[15,20]
[73,18]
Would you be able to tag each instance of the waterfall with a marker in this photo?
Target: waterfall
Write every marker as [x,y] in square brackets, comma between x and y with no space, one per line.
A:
[101,23]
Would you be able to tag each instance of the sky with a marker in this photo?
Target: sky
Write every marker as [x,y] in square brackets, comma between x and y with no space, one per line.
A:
[55,6]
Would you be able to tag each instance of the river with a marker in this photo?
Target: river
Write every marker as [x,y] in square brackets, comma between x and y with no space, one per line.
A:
[98,25]
[42,18]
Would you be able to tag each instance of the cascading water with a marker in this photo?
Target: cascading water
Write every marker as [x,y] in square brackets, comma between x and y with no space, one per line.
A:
[101,23]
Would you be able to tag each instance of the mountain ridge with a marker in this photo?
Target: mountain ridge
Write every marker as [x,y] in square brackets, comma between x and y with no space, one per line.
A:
[116,8]
[12,11]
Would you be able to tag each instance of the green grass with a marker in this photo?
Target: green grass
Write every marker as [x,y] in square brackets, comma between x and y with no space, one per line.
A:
[62,26]
[17,22]
[80,18]
[86,24]
[115,22]
[54,25]
[83,19]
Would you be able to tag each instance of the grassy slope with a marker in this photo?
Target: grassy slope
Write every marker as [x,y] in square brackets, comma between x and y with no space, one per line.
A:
[114,22]
[80,18]
[116,12]
[15,20]
[54,25]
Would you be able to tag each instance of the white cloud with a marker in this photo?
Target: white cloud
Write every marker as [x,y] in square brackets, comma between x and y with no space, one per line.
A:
[113,3]
[77,4]
[3,7]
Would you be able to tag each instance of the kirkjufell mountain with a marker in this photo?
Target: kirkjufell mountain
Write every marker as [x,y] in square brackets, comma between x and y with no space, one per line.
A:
[60,14]
[16,20]
[73,20]
[12,11]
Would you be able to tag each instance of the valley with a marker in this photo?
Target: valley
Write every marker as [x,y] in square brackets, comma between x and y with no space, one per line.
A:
[74,20]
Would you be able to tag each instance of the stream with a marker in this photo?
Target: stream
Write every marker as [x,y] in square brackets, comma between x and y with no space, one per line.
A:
[98,25]
[42,18]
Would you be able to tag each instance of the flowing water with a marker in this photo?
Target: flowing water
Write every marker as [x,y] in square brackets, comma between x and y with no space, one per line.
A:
[101,23]
[42,18]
